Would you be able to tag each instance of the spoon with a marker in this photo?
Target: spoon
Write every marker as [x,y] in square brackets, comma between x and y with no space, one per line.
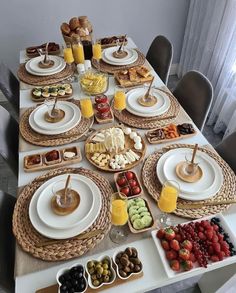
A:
[191,165]
[45,60]
[122,44]
[66,187]
[148,91]
[53,112]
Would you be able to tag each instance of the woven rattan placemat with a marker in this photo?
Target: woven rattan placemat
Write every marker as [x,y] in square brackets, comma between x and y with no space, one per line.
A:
[44,80]
[227,191]
[53,140]
[28,237]
[150,122]
[108,68]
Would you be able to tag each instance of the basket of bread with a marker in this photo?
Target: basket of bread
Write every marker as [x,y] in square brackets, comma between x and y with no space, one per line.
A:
[78,27]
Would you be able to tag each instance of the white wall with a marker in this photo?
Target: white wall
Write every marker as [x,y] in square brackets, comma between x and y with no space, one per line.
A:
[25,23]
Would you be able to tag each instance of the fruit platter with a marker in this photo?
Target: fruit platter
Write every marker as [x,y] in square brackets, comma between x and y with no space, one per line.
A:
[60,90]
[115,148]
[133,76]
[195,245]
[128,183]
[140,216]
[102,110]
[170,132]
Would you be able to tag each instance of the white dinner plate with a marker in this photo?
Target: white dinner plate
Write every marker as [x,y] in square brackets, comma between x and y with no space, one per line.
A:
[162,105]
[108,54]
[64,233]
[195,191]
[67,107]
[78,183]
[124,62]
[60,130]
[45,71]
[33,64]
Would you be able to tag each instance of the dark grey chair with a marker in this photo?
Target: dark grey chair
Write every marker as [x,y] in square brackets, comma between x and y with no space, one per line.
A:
[9,131]
[160,56]
[226,150]
[7,243]
[9,85]
[194,92]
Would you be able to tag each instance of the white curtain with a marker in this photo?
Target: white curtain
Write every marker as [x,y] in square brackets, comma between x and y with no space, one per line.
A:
[210,46]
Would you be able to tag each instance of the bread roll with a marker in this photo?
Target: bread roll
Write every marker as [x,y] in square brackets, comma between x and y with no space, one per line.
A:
[65,29]
[74,23]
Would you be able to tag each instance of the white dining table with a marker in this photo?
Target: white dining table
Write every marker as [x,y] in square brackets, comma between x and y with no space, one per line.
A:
[154,273]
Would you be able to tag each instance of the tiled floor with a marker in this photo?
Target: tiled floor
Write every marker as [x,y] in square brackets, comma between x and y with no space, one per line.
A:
[8,183]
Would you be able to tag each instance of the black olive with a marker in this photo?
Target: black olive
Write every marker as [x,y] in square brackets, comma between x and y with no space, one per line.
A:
[80,269]
[62,279]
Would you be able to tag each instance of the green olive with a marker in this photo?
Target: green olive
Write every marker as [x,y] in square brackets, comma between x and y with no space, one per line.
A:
[106,278]
[105,272]
[96,283]
[94,277]
[106,261]
[99,276]
[109,273]
[100,270]
[91,271]
[98,266]
[90,264]
[105,266]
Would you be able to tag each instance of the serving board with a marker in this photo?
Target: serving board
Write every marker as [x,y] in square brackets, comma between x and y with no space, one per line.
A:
[128,83]
[181,136]
[129,144]
[113,44]
[41,99]
[152,226]
[117,282]
[57,164]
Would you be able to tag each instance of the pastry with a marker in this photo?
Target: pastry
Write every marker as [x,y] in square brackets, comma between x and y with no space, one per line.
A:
[65,28]
[74,23]
[133,75]
[143,71]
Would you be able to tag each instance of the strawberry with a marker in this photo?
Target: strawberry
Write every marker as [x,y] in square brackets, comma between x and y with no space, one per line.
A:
[220,254]
[187,265]
[201,235]
[165,244]
[187,245]
[160,233]
[169,234]
[214,258]
[174,264]
[215,238]
[209,234]
[184,254]
[171,254]
[178,237]
[216,246]
[174,244]
[192,257]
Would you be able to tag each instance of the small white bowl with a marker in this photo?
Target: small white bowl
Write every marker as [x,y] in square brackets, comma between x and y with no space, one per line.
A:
[64,270]
[101,258]
[117,269]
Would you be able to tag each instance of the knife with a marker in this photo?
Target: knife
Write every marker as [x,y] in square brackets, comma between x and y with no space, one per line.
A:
[188,206]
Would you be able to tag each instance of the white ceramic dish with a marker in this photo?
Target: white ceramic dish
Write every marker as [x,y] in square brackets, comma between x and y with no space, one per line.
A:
[64,270]
[33,64]
[84,209]
[64,233]
[198,195]
[102,257]
[45,71]
[68,108]
[59,130]
[117,269]
[162,105]
[170,273]
[108,54]
[126,62]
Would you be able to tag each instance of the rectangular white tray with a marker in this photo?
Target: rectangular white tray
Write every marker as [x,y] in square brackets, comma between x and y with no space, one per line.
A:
[170,273]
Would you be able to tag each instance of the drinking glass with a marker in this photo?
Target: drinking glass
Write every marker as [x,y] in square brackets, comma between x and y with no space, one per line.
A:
[78,52]
[168,201]
[97,52]
[119,218]
[189,168]
[86,106]
[49,102]
[68,54]
[58,190]
[119,99]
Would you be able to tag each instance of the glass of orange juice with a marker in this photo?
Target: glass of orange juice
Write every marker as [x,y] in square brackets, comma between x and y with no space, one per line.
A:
[119,217]
[168,201]
[97,52]
[68,54]
[119,98]
[86,106]
[78,52]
